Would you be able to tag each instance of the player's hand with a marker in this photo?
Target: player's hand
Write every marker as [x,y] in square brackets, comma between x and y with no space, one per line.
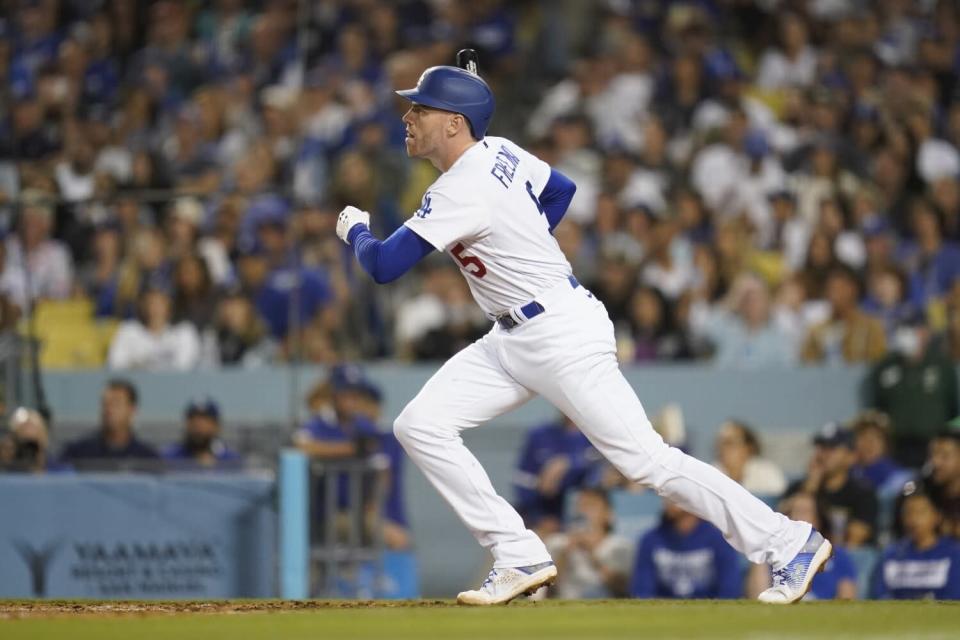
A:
[350,217]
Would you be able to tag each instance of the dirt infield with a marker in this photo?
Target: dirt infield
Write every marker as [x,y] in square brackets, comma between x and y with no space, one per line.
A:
[11,610]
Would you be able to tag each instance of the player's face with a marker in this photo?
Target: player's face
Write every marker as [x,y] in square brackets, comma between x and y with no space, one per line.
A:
[425,128]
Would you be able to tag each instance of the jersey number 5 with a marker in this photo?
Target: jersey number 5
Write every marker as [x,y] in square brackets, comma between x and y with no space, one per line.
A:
[478,269]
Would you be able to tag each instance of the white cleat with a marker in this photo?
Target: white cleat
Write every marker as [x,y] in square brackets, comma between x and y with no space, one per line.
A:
[792,581]
[503,585]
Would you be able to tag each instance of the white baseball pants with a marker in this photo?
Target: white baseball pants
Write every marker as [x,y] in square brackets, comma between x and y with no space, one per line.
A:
[567,355]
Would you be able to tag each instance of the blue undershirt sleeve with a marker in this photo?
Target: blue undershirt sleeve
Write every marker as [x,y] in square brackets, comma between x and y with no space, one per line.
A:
[556,197]
[387,260]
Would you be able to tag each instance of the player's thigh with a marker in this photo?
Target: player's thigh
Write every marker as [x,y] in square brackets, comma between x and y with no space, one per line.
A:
[468,390]
[605,407]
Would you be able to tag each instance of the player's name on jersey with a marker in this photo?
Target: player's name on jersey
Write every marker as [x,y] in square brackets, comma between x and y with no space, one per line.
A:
[505,166]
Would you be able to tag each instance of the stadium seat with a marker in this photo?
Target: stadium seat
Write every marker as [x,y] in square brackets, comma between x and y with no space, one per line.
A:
[69,336]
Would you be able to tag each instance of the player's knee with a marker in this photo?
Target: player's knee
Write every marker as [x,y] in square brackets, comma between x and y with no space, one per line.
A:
[406,425]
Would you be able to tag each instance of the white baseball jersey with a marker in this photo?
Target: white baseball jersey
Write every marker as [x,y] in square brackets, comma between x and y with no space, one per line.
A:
[484,211]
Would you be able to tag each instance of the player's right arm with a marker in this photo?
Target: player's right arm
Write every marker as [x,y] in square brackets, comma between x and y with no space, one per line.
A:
[387,260]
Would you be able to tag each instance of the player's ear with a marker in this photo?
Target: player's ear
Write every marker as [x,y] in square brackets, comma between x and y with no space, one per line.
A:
[456,122]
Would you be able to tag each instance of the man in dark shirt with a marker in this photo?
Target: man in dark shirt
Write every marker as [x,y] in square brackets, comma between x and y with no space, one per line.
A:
[916,385]
[115,441]
[201,444]
[850,504]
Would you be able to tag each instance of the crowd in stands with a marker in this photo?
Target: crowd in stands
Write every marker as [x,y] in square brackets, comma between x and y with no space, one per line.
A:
[759,183]
[894,527]
[343,424]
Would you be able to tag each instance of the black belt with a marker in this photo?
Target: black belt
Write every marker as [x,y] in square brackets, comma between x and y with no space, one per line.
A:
[529,311]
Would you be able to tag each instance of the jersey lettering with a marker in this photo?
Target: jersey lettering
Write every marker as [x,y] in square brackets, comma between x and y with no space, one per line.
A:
[533,197]
[425,208]
[505,166]
[479,270]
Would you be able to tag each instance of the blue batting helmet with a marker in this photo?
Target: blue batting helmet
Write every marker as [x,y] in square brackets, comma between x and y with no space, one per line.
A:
[457,90]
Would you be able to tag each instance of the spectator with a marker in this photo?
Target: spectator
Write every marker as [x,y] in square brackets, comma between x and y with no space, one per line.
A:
[36,266]
[941,479]
[934,264]
[345,409]
[851,506]
[241,336]
[26,447]
[742,329]
[685,557]
[592,560]
[194,299]
[922,565]
[152,342]
[653,336]
[837,580]
[272,289]
[201,445]
[871,446]
[115,440]
[441,320]
[739,456]
[794,62]
[849,335]
[886,299]
[100,279]
[555,459]
[916,385]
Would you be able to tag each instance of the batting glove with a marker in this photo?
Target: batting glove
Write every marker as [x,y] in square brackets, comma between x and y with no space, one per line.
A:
[350,217]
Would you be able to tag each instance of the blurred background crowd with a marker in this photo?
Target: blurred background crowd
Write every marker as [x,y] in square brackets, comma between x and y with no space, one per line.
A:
[761,183]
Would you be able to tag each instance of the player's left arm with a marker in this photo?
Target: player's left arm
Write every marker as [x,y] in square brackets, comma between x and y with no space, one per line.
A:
[556,197]
[385,260]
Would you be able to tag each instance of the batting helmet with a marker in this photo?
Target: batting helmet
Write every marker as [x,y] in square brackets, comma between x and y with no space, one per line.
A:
[457,90]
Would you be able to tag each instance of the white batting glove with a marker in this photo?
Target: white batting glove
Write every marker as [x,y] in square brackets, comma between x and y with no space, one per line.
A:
[349,217]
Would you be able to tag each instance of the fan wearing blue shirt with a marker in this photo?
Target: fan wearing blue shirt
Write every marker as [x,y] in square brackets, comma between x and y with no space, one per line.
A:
[345,409]
[685,557]
[556,457]
[924,565]
[871,447]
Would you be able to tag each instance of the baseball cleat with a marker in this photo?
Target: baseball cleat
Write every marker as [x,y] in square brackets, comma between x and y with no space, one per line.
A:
[503,585]
[792,581]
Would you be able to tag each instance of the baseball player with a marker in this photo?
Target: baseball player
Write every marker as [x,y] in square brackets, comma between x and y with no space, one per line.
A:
[493,210]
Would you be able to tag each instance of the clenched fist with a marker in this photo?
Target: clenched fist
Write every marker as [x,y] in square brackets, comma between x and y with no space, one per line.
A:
[349,217]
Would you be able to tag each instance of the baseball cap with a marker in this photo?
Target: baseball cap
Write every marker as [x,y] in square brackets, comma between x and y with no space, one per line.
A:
[833,434]
[351,377]
[203,407]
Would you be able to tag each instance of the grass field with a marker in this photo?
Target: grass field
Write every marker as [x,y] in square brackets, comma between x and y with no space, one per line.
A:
[425,620]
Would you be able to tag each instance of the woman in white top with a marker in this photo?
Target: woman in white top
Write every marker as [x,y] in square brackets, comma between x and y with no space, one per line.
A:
[151,342]
[738,456]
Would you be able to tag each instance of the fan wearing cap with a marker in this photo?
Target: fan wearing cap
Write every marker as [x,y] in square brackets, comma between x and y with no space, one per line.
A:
[201,444]
[345,408]
[916,385]
[850,505]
